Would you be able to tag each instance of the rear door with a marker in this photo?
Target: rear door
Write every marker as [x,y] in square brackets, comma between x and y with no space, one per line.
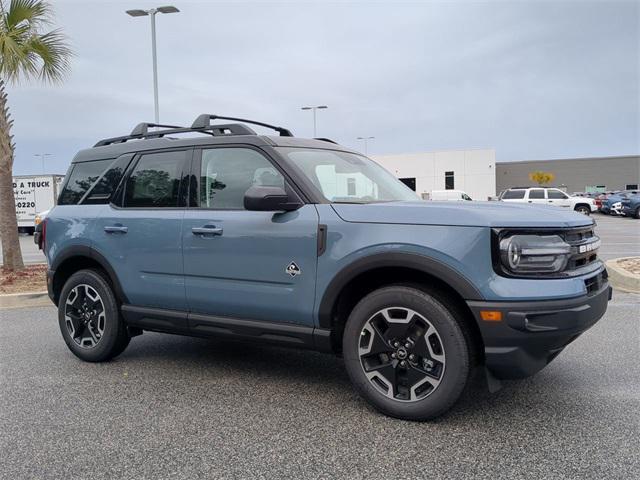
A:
[139,233]
[536,195]
[245,264]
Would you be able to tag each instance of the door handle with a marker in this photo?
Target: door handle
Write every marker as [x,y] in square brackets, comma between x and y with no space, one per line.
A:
[207,230]
[530,201]
[116,229]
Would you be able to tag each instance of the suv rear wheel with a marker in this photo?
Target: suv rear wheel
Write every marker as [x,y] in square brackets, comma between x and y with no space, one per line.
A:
[406,353]
[89,319]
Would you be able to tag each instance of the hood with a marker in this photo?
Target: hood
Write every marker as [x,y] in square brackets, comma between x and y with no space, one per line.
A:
[467,214]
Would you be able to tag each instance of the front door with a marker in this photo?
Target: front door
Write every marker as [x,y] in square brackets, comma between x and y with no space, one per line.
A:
[141,234]
[246,264]
[558,198]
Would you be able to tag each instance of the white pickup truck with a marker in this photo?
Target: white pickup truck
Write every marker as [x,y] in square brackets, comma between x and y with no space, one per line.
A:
[549,196]
[34,194]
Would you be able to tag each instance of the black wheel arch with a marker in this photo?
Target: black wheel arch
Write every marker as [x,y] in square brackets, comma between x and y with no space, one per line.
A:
[392,260]
[80,257]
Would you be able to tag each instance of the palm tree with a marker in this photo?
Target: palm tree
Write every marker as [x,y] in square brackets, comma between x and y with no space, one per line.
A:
[27,52]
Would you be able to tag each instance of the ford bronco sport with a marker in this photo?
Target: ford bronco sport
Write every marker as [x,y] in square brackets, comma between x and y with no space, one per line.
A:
[301,242]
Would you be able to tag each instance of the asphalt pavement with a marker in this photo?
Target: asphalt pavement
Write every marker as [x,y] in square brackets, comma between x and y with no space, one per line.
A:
[30,252]
[178,407]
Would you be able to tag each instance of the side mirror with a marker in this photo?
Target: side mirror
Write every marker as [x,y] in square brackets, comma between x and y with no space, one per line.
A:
[270,199]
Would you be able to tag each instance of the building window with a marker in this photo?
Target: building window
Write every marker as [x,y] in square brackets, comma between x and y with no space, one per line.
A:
[351,187]
[448,181]
[632,186]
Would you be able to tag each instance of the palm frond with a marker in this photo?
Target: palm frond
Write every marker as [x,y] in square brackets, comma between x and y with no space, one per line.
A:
[27,52]
[31,12]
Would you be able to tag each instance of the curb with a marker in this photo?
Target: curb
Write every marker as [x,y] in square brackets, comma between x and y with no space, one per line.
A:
[23,300]
[620,278]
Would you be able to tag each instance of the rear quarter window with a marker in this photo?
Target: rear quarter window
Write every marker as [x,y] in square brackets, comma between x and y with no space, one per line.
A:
[81,177]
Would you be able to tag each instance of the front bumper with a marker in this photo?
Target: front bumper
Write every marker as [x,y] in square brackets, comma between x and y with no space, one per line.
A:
[531,334]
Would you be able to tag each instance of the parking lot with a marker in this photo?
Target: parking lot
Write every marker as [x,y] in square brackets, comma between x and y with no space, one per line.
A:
[174,407]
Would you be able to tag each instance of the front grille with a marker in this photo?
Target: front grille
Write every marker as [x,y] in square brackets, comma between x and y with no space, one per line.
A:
[584,247]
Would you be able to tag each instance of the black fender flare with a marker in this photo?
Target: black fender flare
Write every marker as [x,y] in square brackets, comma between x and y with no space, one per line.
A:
[421,263]
[78,251]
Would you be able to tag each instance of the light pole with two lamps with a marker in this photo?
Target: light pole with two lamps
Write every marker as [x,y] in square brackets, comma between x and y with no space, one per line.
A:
[42,155]
[319,107]
[365,139]
[152,13]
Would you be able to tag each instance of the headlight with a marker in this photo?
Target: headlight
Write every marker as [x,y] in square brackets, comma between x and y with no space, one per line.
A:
[534,254]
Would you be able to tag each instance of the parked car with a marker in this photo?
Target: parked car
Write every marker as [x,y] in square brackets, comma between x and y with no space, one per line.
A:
[612,205]
[449,195]
[631,205]
[549,196]
[305,243]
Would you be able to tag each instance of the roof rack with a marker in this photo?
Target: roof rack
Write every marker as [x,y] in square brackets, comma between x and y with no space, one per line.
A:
[204,121]
[202,124]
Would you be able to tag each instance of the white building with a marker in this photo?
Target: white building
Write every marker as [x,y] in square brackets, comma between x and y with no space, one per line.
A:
[473,171]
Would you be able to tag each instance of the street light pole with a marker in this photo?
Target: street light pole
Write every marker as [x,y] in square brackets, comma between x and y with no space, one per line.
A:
[152,14]
[42,155]
[319,107]
[366,139]
[156,106]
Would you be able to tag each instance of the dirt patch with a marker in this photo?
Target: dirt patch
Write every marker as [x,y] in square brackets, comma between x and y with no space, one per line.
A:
[32,279]
[631,265]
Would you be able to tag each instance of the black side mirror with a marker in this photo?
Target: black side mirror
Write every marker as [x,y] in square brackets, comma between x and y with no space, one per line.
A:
[270,199]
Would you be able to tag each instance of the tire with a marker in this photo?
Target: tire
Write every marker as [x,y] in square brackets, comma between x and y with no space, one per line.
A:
[449,353]
[89,318]
[637,214]
[583,209]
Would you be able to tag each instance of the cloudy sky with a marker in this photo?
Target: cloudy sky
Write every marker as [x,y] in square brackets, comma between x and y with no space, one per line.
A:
[534,80]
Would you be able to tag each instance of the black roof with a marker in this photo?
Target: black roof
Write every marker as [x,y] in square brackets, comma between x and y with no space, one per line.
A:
[169,136]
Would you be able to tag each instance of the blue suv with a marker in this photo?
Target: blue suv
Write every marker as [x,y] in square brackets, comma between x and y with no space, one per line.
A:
[631,205]
[301,242]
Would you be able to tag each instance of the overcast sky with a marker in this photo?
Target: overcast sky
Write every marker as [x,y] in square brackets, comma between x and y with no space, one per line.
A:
[534,80]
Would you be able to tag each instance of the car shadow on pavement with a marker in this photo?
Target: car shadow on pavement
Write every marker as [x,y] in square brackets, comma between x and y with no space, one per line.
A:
[220,361]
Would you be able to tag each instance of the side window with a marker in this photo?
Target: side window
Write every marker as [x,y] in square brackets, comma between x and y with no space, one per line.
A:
[108,182]
[80,179]
[536,193]
[513,195]
[227,173]
[556,194]
[155,181]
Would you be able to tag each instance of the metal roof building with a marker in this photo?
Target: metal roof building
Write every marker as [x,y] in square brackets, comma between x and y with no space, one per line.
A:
[575,174]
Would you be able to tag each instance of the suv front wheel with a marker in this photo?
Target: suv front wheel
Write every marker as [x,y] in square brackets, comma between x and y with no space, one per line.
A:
[89,319]
[406,352]
[583,209]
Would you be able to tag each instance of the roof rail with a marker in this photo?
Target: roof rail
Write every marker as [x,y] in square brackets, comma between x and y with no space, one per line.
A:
[323,139]
[204,121]
[143,128]
[141,131]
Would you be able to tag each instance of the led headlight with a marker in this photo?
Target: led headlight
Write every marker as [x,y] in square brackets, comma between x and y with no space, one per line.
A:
[534,253]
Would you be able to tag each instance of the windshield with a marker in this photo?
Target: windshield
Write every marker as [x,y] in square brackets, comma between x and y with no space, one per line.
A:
[343,177]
